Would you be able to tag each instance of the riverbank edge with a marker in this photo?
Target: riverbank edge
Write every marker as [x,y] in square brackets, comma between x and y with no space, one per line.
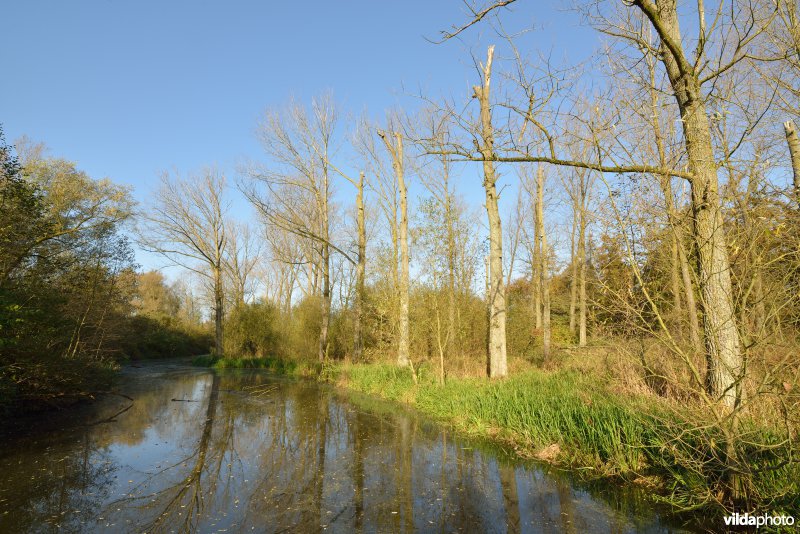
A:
[564,418]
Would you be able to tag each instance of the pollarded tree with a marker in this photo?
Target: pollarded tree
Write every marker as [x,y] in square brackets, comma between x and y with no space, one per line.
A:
[497,364]
[483,136]
[394,145]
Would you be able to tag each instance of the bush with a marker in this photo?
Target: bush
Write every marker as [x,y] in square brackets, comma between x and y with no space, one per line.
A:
[250,331]
[149,338]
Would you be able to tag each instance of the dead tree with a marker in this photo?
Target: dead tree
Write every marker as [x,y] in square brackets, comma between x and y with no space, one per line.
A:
[497,362]
[395,149]
[543,261]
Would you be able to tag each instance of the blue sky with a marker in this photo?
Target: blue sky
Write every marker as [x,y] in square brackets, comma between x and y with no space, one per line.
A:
[128,89]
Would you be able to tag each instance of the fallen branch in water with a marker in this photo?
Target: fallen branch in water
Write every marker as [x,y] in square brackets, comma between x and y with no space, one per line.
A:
[112,419]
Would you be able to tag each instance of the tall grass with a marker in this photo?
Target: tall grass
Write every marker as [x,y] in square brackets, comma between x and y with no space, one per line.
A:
[533,411]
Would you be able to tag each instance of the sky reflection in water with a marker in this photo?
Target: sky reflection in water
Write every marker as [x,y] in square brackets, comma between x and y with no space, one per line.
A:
[244,452]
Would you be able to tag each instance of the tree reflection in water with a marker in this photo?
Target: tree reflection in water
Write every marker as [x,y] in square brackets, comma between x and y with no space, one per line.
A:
[245,452]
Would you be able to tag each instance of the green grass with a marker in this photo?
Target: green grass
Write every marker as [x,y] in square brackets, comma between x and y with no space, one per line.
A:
[275,365]
[531,411]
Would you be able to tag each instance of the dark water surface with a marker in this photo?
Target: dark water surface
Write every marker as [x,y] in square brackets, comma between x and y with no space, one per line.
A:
[198,451]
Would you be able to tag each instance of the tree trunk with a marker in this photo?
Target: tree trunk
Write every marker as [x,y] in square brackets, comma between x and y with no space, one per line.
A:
[326,302]
[497,363]
[451,274]
[722,342]
[544,281]
[358,344]
[688,295]
[536,282]
[681,269]
[675,273]
[396,151]
[218,310]
[573,284]
[402,352]
[794,151]
[582,272]
[666,188]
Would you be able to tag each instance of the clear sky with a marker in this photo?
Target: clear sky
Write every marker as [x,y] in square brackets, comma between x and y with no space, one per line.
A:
[129,88]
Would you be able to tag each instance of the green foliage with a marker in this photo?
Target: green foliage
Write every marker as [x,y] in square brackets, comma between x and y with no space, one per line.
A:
[385,380]
[523,341]
[615,300]
[206,360]
[274,365]
[250,331]
[301,330]
[64,300]
[149,338]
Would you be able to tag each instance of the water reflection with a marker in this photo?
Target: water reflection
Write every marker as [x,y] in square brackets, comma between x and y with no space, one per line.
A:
[205,452]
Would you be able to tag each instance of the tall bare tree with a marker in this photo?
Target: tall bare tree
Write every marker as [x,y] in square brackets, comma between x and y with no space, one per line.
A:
[691,77]
[395,148]
[187,225]
[437,180]
[242,258]
[544,263]
[497,364]
[361,223]
[723,346]
[299,188]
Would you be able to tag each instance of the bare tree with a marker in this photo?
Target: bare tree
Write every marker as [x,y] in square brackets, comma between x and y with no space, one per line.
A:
[242,258]
[358,349]
[544,263]
[438,183]
[281,273]
[187,225]
[731,40]
[497,364]
[578,184]
[395,148]
[298,190]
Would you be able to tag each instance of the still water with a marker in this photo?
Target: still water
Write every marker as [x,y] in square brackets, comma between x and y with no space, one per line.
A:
[198,451]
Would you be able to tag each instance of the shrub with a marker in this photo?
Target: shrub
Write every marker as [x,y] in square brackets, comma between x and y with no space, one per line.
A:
[250,331]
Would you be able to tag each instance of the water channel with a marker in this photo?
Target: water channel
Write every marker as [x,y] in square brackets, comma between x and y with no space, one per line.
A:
[199,451]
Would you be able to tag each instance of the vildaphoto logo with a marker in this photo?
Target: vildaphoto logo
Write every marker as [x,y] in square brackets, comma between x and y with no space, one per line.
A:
[763,520]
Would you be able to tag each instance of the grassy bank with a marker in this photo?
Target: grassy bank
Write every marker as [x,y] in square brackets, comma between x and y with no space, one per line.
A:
[275,365]
[573,419]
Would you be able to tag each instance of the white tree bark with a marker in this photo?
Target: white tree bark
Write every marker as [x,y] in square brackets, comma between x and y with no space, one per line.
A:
[396,150]
[497,364]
